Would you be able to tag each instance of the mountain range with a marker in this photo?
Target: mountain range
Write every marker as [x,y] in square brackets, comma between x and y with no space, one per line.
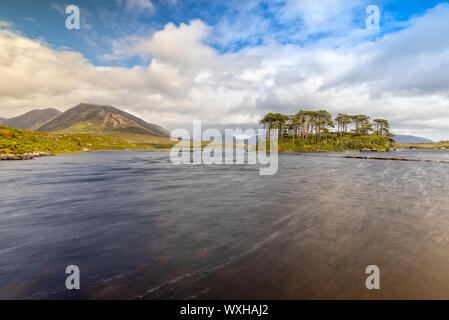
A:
[86,118]
[32,120]
[408,139]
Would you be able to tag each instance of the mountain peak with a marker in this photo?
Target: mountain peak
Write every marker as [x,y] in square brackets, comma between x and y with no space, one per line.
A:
[33,119]
[92,105]
[102,120]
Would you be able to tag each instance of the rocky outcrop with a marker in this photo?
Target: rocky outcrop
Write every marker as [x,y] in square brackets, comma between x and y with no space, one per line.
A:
[23,156]
[368,150]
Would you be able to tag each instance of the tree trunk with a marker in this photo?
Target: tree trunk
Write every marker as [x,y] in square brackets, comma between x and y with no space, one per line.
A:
[269,131]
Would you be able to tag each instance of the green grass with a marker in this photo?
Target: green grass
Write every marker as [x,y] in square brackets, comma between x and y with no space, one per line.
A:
[156,142]
[14,141]
[334,142]
[81,127]
[436,145]
[142,139]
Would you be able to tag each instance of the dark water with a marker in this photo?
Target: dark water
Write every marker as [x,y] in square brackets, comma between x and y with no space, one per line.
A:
[141,227]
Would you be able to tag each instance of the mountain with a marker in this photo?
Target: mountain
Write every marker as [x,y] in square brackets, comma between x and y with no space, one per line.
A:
[407,139]
[2,120]
[32,120]
[101,120]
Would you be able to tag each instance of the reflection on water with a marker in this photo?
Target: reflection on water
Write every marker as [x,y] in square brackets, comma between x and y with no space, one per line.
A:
[140,227]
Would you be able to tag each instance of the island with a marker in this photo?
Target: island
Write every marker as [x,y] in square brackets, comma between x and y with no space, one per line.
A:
[310,131]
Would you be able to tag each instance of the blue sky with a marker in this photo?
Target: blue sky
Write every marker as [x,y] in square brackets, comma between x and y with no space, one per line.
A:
[105,20]
[228,63]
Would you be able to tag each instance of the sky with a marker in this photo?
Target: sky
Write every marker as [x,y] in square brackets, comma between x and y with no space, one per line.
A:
[227,63]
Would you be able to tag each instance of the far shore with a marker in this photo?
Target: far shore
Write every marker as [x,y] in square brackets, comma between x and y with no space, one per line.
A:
[426,146]
[33,155]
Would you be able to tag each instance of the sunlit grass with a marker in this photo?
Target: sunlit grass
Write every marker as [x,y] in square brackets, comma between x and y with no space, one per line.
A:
[14,141]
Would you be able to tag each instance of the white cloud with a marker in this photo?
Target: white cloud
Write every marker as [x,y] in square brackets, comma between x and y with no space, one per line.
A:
[139,5]
[6,25]
[58,7]
[401,76]
[178,45]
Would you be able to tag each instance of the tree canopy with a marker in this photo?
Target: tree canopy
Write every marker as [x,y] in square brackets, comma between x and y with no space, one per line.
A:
[314,124]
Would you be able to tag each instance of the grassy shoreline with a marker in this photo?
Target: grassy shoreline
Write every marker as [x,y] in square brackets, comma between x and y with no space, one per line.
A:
[334,142]
[16,142]
[426,146]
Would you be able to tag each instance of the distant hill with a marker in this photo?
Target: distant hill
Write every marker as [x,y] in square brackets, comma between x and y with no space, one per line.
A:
[407,139]
[2,120]
[102,120]
[16,142]
[32,120]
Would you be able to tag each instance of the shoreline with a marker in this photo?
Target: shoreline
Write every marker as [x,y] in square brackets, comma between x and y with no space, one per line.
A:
[33,155]
[23,156]
[394,159]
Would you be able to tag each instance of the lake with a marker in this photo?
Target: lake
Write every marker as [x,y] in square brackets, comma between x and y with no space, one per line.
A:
[140,227]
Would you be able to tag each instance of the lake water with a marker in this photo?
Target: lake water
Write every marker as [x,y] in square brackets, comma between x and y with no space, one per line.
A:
[140,227]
